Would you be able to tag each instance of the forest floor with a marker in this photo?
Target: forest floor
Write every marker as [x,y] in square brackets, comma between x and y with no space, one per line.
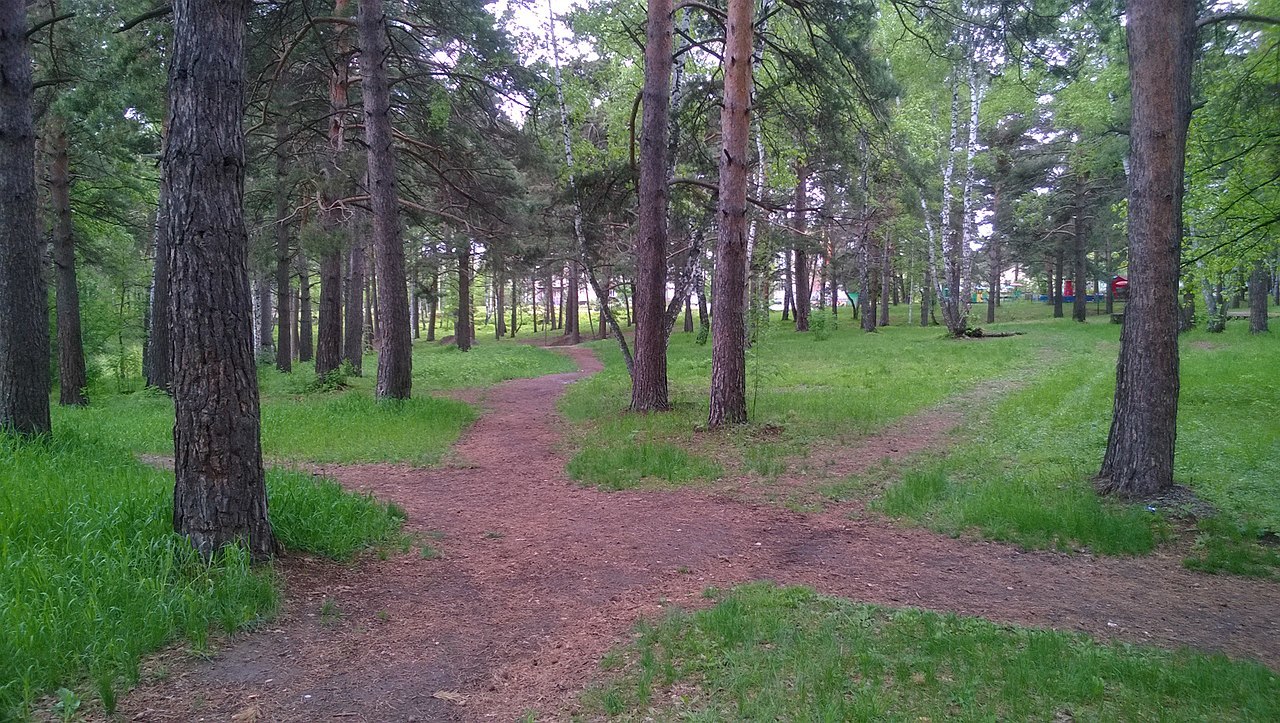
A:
[522,580]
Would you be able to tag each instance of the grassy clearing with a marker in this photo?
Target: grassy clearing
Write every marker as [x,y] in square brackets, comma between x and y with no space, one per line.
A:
[92,576]
[1022,475]
[803,390]
[342,426]
[771,653]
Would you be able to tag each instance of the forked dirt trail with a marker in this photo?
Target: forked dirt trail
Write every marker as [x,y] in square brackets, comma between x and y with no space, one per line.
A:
[540,577]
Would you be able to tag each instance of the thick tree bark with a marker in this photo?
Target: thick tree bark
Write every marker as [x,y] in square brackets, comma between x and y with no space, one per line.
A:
[572,305]
[395,344]
[284,346]
[306,337]
[353,309]
[220,493]
[804,287]
[1140,446]
[24,321]
[71,368]
[1258,286]
[728,344]
[329,333]
[649,380]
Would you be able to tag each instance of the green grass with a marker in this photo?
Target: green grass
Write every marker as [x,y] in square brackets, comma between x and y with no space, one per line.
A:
[801,391]
[1023,472]
[345,426]
[92,576]
[773,653]
[623,467]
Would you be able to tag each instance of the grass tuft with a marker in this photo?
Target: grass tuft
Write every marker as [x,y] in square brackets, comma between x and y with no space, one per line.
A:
[619,467]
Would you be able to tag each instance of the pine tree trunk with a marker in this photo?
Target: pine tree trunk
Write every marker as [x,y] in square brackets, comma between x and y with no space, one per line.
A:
[220,491]
[803,286]
[1139,455]
[462,328]
[329,336]
[866,280]
[688,313]
[266,323]
[24,322]
[572,305]
[415,302]
[306,336]
[157,356]
[284,346]
[395,345]
[295,322]
[353,308]
[499,305]
[1258,285]
[728,344]
[886,280]
[649,380]
[433,303]
[71,368]
[329,333]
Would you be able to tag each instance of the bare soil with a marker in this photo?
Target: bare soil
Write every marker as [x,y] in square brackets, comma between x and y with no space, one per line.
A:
[539,577]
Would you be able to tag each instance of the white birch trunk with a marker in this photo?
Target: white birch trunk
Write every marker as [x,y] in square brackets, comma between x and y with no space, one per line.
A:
[969,231]
[951,275]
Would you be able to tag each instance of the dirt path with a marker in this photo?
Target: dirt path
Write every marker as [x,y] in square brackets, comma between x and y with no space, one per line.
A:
[540,577]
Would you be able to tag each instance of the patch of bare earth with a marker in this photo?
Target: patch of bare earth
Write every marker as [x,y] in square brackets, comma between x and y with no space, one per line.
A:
[540,577]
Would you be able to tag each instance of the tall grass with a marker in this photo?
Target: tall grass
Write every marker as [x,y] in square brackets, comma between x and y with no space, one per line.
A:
[92,576]
[773,653]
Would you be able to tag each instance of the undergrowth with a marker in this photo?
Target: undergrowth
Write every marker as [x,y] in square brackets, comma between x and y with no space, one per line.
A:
[92,576]
[774,653]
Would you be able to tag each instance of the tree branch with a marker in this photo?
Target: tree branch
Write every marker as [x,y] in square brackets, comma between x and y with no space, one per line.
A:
[1234,17]
[158,12]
